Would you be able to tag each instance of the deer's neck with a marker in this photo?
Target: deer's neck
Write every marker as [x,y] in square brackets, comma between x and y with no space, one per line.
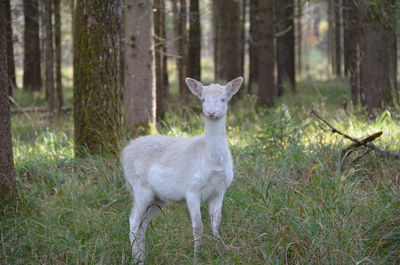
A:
[215,138]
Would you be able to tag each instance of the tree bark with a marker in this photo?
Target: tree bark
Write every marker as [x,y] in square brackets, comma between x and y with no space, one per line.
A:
[229,35]
[267,90]
[57,46]
[180,36]
[32,73]
[242,42]
[160,49]
[10,49]
[7,172]
[194,59]
[49,60]
[253,46]
[331,37]
[285,44]
[352,35]
[338,36]
[97,100]
[140,80]
[299,42]
[215,32]
[375,48]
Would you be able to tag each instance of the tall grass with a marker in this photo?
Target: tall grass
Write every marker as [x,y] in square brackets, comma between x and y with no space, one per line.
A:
[294,200]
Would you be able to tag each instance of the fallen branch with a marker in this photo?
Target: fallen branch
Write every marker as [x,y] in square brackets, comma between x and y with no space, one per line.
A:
[37,110]
[19,108]
[366,142]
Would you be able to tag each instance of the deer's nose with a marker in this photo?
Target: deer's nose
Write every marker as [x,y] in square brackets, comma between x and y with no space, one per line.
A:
[211,114]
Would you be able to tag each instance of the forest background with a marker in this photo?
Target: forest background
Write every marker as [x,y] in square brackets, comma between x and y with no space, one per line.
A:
[314,130]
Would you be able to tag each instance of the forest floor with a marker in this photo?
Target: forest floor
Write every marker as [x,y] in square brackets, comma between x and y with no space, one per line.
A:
[294,199]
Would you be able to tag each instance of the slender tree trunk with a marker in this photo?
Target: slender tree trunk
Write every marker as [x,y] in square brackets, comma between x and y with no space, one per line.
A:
[346,36]
[242,42]
[216,28]
[97,100]
[7,172]
[331,37]
[338,37]
[392,24]
[229,60]
[160,43]
[57,46]
[375,48]
[49,65]
[353,29]
[299,47]
[140,83]
[267,90]
[165,57]
[10,49]
[194,59]
[253,46]
[32,74]
[180,44]
[285,44]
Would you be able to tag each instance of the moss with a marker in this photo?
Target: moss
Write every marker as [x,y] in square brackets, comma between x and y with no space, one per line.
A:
[97,100]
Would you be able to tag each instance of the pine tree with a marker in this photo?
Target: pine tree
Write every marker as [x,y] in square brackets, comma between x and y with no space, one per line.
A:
[32,74]
[7,172]
[140,80]
[97,99]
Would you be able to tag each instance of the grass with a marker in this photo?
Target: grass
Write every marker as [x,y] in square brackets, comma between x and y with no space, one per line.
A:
[293,201]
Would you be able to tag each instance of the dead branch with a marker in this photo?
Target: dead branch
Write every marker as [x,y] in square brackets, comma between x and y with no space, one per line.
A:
[334,130]
[366,142]
[19,108]
[25,111]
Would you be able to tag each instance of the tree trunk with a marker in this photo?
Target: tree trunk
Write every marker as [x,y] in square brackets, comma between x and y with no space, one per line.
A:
[57,46]
[338,37]
[267,90]
[299,30]
[352,35]
[32,73]
[165,57]
[392,45]
[285,44]
[194,59]
[331,37]
[49,61]
[140,83]
[375,47]
[7,172]
[97,100]
[160,49]
[180,45]
[10,49]
[242,42]
[346,36]
[215,28]
[253,44]
[228,50]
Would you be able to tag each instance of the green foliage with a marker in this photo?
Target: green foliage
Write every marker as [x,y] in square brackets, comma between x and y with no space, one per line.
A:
[294,201]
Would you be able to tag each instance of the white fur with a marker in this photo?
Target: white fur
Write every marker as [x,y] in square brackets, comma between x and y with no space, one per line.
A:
[160,169]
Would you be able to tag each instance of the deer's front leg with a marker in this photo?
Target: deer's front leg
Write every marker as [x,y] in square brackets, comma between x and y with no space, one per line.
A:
[193,203]
[214,210]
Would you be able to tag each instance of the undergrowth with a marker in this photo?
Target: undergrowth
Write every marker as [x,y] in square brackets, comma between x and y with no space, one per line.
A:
[294,199]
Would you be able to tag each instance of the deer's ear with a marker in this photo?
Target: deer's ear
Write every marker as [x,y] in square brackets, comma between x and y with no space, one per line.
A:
[195,86]
[233,86]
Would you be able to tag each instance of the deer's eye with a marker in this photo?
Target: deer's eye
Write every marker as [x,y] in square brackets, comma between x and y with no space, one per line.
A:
[222,100]
[203,100]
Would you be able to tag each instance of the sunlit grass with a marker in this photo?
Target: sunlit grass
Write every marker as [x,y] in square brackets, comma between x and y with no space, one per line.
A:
[294,200]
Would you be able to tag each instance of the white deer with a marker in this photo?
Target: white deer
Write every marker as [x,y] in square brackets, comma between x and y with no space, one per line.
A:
[160,169]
